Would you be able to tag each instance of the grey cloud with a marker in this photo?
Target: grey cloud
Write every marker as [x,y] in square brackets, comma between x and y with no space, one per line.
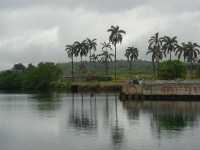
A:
[103,6]
[33,31]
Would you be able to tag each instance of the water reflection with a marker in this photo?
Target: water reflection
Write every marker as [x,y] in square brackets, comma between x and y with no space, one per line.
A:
[117,131]
[166,117]
[45,102]
[96,121]
[83,116]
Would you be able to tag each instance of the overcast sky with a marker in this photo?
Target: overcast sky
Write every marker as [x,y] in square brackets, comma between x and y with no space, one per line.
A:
[37,30]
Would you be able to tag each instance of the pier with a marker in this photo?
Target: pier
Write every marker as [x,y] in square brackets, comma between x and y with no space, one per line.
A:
[161,90]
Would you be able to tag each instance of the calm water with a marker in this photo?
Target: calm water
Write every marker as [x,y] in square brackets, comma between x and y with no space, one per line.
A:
[100,122]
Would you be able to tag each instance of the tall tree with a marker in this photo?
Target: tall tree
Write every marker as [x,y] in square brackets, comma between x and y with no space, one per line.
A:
[192,53]
[131,55]
[81,50]
[154,48]
[116,37]
[105,58]
[94,58]
[169,45]
[181,50]
[106,46]
[70,49]
[92,45]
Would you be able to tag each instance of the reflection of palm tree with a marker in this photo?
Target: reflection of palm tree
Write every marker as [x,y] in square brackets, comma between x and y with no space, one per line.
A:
[80,119]
[117,132]
[116,36]
[106,109]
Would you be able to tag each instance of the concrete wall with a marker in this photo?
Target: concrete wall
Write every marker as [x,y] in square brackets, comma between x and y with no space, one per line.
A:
[166,88]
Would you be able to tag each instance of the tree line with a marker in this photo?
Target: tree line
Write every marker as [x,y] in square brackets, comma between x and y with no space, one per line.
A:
[44,76]
[158,47]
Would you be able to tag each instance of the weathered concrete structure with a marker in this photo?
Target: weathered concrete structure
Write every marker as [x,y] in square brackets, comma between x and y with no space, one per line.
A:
[169,90]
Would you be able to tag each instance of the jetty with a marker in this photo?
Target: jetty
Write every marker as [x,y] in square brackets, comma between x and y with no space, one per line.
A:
[188,90]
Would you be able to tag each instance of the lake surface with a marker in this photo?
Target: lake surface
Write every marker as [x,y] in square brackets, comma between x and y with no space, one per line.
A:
[96,122]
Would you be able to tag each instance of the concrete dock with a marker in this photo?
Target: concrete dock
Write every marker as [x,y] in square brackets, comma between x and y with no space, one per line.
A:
[161,90]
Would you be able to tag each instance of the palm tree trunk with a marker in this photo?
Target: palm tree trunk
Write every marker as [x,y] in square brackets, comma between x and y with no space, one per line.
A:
[106,71]
[129,67]
[72,67]
[115,68]
[170,54]
[154,69]
[192,70]
[81,69]
[90,55]
[157,69]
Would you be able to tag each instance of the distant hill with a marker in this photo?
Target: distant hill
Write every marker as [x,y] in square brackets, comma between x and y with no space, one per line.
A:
[122,66]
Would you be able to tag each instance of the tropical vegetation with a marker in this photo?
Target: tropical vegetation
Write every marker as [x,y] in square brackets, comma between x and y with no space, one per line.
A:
[170,59]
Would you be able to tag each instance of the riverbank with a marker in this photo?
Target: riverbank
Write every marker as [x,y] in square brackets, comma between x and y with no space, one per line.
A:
[96,86]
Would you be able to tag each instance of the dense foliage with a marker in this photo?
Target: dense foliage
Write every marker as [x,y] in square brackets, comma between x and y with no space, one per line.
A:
[31,78]
[169,70]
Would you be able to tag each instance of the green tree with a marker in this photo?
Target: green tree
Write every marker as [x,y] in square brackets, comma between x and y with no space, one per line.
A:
[181,51]
[116,36]
[169,45]
[41,77]
[170,70]
[192,53]
[132,55]
[11,80]
[94,59]
[105,58]
[81,49]
[106,46]
[70,49]
[92,45]
[154,48]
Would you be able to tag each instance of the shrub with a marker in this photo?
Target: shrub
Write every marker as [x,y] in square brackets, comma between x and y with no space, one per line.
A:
[10,80]
[169,70]
[197,73]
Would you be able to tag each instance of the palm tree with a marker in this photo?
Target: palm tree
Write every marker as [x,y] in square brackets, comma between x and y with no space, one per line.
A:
[94,58]
[116,36]
[92,45]
[81,49]
[154,48]
[169,45]
[105,58]
[70,51]
[192,52]
[106,46]
[131,55]
[181,50]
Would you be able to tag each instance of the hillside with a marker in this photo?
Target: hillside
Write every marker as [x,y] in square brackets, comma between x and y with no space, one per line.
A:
[140,66]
